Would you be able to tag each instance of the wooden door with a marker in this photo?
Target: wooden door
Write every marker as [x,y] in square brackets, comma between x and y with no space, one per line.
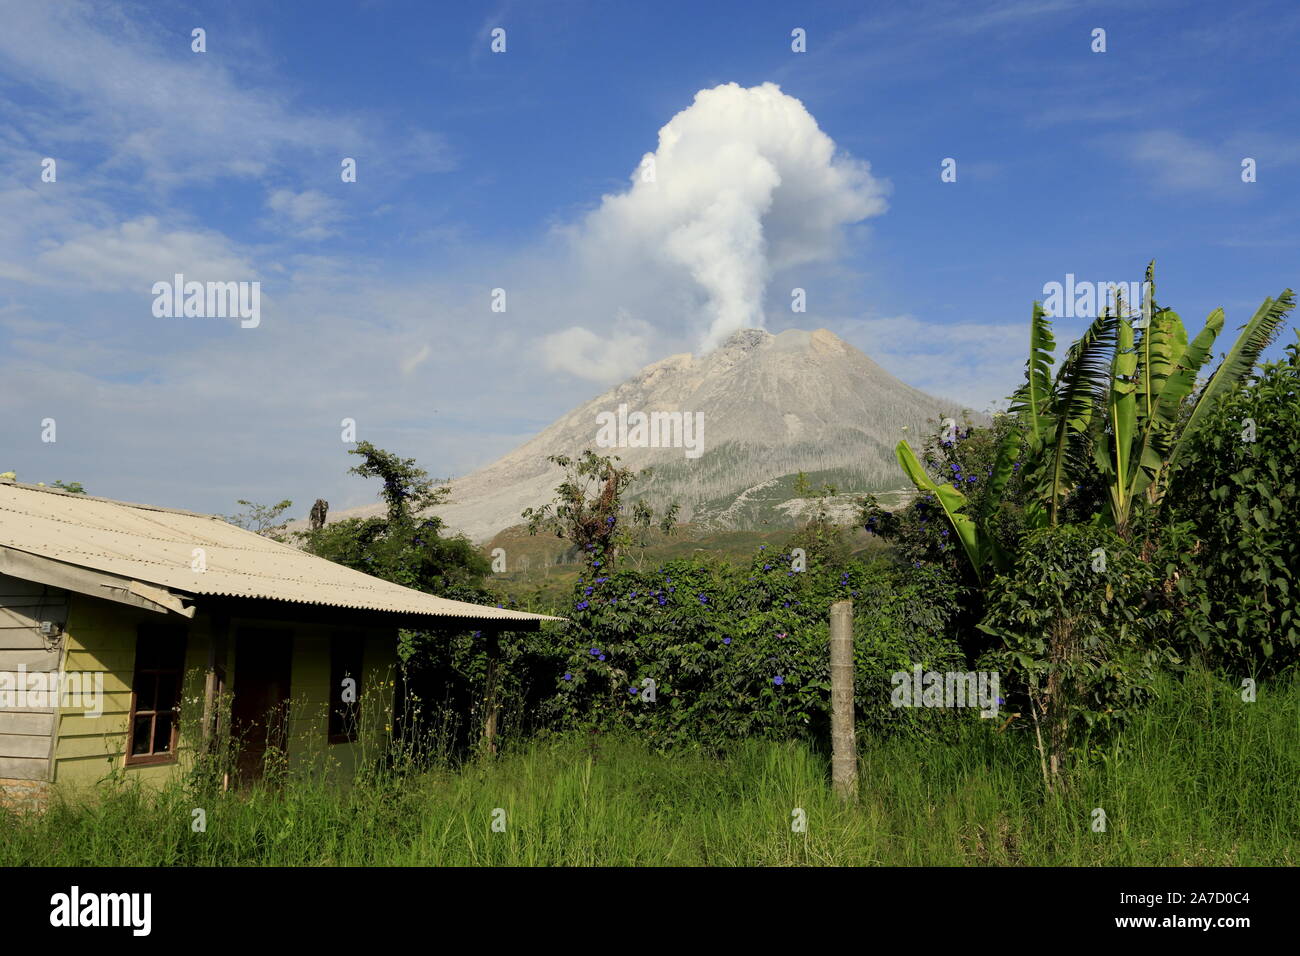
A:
[259,711]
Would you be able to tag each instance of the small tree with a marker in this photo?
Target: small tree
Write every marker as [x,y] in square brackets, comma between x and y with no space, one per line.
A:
[405,545]
[588,509]
[821,536]
[262,519]
[1079,624]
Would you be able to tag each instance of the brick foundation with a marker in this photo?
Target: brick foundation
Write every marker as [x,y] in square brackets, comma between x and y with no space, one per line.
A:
[24,794]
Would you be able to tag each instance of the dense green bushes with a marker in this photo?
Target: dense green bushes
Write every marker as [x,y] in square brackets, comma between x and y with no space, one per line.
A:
[740,652]
[1232,546]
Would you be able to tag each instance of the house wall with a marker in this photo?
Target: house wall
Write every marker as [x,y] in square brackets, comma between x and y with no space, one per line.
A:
[27,733]
[101,638]
[309,750]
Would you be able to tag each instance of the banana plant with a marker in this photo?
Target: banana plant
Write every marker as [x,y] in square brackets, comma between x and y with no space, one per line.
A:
[1031,406]
[1152,375]
[1115,404]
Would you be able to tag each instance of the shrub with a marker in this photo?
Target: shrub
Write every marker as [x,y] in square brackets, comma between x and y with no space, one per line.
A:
[740,652]
[1231,550]
[1078,625]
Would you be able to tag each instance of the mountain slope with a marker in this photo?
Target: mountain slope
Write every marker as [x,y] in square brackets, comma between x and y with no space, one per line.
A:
[770,406]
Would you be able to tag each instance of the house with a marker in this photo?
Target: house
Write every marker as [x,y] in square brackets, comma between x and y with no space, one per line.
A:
[121,622]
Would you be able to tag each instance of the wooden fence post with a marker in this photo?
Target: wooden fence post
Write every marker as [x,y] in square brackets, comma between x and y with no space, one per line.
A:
[491,692]
[844,748]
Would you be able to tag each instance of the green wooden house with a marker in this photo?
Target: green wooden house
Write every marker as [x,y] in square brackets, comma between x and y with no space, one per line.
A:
[122,624]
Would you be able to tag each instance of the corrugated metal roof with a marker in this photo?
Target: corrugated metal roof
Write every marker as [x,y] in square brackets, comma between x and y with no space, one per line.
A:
[156,546]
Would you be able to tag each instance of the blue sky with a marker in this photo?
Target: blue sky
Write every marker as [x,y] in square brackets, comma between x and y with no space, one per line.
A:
[481,170]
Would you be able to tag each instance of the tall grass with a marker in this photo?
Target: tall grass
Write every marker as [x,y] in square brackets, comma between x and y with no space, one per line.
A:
[1199,778]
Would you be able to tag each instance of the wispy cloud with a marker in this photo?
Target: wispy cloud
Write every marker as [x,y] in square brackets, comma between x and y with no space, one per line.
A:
[309,214]
[975,363]
[1178,162]
[159,111]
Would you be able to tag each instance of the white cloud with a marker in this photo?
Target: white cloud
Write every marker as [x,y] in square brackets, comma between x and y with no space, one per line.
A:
[135,254]
[309,214]
[411,362]
[599,358]
[745,184]
[976,363]
[117,80]
[1178,162]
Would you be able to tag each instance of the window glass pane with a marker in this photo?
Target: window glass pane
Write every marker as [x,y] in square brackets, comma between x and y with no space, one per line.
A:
[162,734]
[159,673]
[168,695]
[140,735]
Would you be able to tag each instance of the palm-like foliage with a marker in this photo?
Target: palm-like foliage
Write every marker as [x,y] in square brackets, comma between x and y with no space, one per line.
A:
[1114,410]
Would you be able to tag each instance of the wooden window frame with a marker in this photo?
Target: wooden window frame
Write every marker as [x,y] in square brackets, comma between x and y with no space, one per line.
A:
[152,759]
[343,721]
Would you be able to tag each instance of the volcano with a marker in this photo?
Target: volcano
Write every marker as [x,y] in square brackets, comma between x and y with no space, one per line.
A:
[724,435]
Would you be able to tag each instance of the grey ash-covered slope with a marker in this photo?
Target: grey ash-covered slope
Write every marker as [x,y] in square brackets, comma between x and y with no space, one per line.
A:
[773,405]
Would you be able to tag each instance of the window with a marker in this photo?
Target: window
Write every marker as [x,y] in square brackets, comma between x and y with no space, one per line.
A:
[156,694]
[345,666]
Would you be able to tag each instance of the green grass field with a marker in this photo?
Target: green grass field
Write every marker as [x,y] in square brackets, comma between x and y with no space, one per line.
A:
[1200,779]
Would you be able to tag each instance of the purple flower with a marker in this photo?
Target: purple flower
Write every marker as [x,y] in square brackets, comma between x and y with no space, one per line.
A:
[581,606]
[568,677]
[601,658]
[632,691]
[778,680]
[726,640]
[594,651]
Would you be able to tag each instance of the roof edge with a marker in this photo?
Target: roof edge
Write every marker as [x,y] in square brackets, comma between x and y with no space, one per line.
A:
[111,501]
